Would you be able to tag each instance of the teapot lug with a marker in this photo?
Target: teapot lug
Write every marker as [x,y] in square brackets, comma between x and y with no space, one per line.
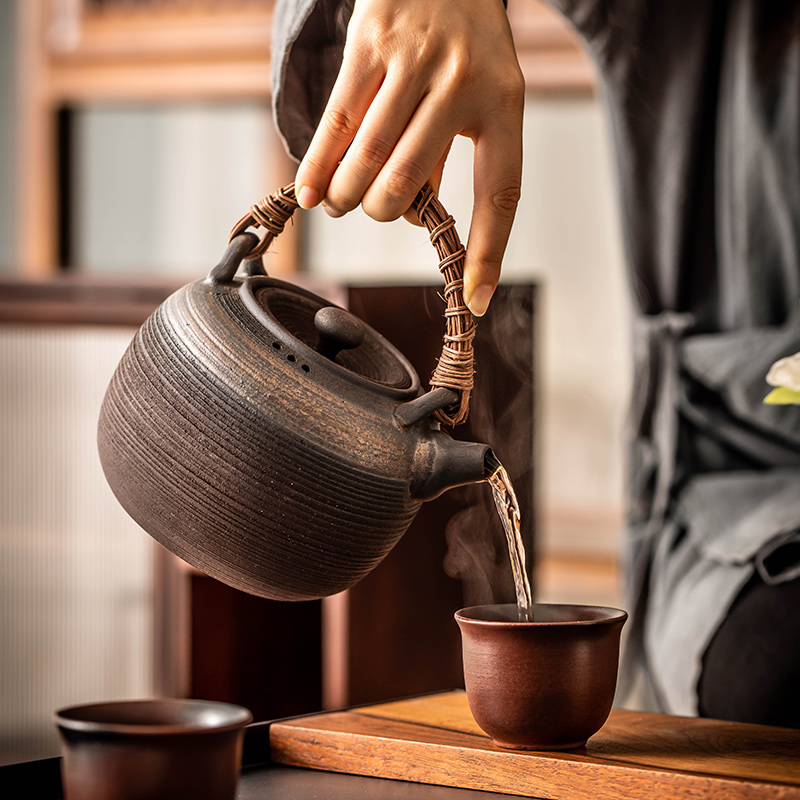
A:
[238,247]
[411,412]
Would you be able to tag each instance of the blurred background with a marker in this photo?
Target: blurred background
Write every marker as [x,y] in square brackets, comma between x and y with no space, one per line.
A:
[132,136]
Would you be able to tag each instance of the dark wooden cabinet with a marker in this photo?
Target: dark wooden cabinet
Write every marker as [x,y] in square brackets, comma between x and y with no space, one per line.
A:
[259,653]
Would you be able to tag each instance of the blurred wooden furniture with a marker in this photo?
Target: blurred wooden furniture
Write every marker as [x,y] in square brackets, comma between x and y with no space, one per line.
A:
[78,52]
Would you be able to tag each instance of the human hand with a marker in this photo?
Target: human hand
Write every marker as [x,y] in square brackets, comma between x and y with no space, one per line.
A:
[784,375]
[415,74]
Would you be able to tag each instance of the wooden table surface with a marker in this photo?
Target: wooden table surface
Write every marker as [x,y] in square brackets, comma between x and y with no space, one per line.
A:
[434,740]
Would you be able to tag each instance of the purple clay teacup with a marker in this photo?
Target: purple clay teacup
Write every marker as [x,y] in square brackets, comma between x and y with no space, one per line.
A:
[542,685]
[152,750]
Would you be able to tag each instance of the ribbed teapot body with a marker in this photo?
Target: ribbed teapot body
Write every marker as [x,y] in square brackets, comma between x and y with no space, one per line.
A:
[240,452]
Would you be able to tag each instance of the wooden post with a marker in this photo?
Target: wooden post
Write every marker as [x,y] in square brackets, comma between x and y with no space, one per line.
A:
[36,145]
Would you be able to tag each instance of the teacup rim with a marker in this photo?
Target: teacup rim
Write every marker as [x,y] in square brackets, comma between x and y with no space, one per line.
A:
[613,615]
[73,718]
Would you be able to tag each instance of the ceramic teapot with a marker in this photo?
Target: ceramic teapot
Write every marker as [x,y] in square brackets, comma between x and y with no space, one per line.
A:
[272,439]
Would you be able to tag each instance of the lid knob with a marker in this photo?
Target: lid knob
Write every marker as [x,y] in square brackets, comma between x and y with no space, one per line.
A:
[338,330]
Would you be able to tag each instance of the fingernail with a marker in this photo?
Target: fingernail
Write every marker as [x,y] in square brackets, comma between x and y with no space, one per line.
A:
[307,197]
[479,301]
[332,212]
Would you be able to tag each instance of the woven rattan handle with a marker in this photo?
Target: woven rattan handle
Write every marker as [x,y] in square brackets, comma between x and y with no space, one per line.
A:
[455,368]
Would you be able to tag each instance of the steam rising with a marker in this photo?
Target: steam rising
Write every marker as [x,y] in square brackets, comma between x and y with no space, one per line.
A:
[501,414]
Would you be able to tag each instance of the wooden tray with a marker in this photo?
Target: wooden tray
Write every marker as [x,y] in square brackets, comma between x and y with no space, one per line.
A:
[434,739]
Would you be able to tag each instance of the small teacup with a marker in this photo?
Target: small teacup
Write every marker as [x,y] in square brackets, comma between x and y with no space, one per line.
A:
[542,685]
[151,750]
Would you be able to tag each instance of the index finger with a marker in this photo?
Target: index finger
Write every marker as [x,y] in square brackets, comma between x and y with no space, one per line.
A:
[353,92]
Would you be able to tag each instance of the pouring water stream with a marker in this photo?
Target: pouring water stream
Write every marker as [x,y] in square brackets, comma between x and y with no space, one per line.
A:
[505,501]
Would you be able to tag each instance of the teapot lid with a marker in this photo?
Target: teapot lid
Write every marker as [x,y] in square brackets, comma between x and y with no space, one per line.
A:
[454,369]
[317,332]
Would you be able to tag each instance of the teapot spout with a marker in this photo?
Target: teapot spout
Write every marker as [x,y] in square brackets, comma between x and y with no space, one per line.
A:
[447,463]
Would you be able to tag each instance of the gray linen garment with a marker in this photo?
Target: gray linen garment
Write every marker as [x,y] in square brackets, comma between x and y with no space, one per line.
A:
[704,104]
